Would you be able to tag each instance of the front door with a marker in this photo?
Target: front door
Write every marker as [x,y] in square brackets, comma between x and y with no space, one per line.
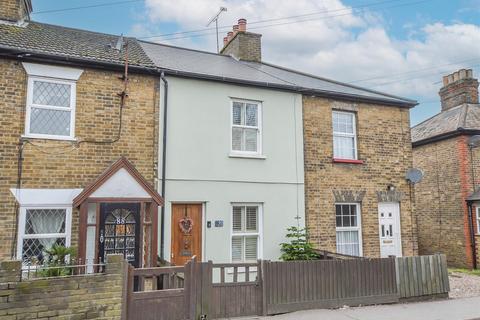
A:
[186,233]
[389,229]
[119,231]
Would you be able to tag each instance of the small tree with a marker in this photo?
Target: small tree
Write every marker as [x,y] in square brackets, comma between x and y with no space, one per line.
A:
[298,248]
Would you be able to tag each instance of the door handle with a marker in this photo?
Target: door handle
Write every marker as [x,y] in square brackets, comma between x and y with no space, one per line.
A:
[102,238]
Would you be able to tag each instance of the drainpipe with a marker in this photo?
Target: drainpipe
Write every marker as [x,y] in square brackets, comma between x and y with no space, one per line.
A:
[164,163]
[472,234]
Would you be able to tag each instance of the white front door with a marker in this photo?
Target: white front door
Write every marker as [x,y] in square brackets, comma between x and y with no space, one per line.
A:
[389,229]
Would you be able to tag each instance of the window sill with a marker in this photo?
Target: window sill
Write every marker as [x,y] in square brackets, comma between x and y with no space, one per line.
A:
[59,138]
[248,156]
[349,161]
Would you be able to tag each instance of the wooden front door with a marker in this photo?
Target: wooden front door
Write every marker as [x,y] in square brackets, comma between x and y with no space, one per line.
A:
[119,231]
[186,233]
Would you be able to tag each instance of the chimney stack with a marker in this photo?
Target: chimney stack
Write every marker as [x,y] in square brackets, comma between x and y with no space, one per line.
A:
[458,88]
[242,44]
[15,11]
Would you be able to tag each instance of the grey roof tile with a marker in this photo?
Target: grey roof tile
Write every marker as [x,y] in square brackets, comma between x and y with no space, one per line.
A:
[73,43]
[465,116]
[217,65]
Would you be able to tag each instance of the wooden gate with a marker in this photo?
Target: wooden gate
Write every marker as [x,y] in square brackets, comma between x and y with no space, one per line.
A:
[157,293]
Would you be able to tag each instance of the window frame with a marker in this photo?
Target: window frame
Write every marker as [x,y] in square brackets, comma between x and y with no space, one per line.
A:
[343,134]
[22,222]
[258,233]
[358,228]
[259,151]
[30,105]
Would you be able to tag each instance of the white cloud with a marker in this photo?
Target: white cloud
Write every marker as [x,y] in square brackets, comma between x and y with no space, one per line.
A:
[346,45]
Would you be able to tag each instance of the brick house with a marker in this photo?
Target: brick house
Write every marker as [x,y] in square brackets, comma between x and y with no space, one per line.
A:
[444,150]
[357,152]
[73,130]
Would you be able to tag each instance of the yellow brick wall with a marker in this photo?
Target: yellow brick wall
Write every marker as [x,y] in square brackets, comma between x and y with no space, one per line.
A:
[384,146]
[60,164]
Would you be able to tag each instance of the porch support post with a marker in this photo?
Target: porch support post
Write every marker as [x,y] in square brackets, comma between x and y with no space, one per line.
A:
[82,231]
[154,231]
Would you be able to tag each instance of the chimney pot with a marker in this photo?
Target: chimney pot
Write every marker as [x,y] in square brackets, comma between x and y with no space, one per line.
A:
[242,25]
[230,35]
[235,29]
[225,41]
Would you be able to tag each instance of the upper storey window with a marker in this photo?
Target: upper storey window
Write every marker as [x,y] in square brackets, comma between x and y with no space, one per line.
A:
[246,127]
[344,135]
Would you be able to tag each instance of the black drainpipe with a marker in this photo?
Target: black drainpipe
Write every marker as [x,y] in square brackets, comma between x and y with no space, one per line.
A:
[164,166]
[472,234]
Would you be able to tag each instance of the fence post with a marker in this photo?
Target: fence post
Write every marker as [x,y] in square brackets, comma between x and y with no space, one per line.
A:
[190,287]
[206,290]
[264,285]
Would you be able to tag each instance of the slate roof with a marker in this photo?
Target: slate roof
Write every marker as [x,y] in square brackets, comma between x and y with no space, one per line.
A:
[57,42]
[65,42]
[464,117]
[187,61]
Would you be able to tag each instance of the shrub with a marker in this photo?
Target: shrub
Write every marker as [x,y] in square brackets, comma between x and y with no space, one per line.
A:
[56,264]
[298,248]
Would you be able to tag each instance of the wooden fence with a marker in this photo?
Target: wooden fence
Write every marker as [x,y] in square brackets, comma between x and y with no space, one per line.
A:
[422,276]
[264,288]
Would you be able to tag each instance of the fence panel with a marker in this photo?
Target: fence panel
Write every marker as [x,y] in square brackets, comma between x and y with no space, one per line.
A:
[298,285]
[422,276]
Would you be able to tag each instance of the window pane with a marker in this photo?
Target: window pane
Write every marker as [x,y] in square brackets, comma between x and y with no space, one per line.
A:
[344,147]
[45,221]
[51,94]
[346,221]
[252,214]
[237,218]
[237,249]
[237,113]
[251,248]
[339,221]
[237,139]
[348,243]
[251,115]
[343,122]
[33,250]
[54,122]
[250,139]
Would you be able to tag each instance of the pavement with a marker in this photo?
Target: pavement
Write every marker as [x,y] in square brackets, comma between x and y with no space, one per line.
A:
[448,309]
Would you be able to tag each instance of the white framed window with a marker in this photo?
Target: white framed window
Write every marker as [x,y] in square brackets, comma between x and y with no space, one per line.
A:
[39,229]
[246,127]
[50,108]
[344,135]
[246,232]
[348,228]
[477,209]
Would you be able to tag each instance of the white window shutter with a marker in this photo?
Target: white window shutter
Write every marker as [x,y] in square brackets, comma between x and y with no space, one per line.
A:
[237,249]
[251,248]
[237,219]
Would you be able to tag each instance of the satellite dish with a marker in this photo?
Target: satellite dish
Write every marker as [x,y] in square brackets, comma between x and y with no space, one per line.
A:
[474,141]
[414,175]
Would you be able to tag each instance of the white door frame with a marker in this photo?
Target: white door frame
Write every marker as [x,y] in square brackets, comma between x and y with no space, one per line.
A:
[397,231]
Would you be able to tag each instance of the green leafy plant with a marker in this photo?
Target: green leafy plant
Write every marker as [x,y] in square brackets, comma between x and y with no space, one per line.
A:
[298,248]
[56,263]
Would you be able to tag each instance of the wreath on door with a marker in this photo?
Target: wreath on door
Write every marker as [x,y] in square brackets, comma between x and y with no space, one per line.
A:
[186,225]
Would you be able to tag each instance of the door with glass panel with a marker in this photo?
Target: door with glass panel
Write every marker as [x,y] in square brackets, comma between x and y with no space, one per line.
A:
[119,231]
[389,229]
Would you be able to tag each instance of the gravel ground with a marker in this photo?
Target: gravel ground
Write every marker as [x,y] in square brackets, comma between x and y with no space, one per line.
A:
[464,285]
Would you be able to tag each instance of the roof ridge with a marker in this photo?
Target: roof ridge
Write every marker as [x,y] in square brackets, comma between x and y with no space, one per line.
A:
[437,114]
[337,82]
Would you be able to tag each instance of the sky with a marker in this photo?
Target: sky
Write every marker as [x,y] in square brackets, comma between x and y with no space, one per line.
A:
[401,47]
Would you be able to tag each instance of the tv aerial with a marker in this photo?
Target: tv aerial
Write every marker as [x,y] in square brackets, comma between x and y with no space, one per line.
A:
[215,19]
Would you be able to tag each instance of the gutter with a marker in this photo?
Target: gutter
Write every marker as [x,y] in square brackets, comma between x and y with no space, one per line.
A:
[164,166]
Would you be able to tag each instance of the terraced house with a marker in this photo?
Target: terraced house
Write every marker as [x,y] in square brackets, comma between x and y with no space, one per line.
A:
[116,145]
[77,141]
